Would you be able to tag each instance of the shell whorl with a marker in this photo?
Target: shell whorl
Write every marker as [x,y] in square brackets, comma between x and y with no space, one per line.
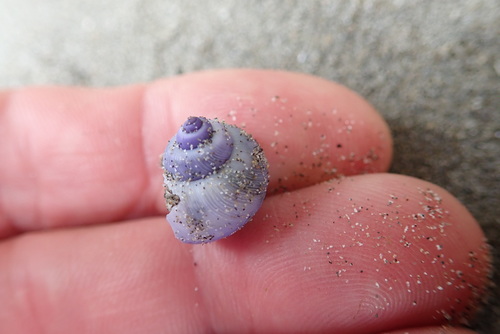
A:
[199,149]
[193,132]
[215,178]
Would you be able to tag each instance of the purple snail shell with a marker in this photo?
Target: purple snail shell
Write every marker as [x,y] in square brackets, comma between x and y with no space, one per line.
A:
[215,178]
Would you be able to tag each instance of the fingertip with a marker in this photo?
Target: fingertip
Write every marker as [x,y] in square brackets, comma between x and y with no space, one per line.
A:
[311,129]
[396,251]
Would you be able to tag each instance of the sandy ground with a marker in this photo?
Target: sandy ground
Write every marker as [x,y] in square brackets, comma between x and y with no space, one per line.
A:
[432,68]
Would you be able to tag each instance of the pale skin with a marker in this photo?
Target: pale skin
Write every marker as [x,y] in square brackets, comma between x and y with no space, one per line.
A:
[85,246]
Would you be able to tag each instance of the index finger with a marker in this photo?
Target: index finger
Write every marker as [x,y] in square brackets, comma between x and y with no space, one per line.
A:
[73,156]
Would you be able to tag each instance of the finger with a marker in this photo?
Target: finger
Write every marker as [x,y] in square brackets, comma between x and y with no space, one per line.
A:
[366,254]
[76,156]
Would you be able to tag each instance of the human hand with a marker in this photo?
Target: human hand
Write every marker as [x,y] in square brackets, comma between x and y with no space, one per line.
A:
[86,249]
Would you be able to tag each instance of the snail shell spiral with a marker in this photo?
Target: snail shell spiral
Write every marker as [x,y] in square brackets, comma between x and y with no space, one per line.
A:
[215,178]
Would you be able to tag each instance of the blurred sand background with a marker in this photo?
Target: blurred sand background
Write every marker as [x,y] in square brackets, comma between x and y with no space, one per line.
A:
[432,68]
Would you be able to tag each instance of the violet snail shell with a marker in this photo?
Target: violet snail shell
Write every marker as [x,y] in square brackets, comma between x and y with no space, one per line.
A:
[215,179]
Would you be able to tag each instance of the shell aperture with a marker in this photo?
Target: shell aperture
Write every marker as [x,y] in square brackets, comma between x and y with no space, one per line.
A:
[215,179]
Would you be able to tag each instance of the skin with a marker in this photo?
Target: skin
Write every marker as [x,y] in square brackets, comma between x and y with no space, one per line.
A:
[339,246]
